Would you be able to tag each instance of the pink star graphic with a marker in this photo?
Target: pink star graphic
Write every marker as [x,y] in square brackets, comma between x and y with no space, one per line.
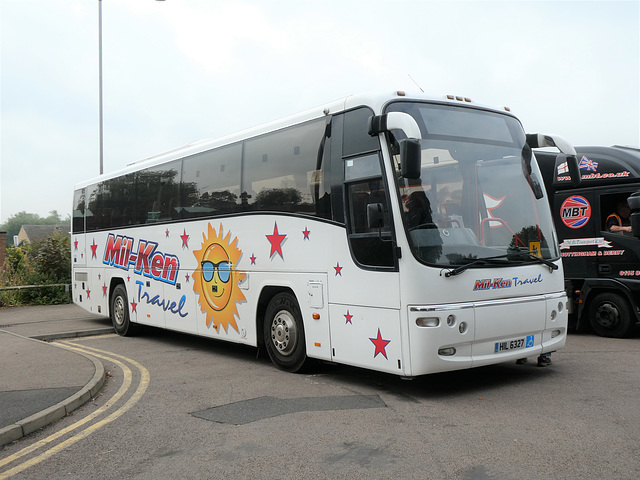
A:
[187,277]
[276,242]
[253,259]
[306,233]
[380,344]
[94,249]
[185,239]
[75,244]
[88,293]
[166,233]
[348,317]
[104,289]
[338,269]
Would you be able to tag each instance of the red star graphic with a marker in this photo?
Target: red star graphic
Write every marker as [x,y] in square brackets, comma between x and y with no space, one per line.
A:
[104,289]
[276,241]
[99,276]
[187,277]
[253,259]
[133,306]
[380,344]
[306,233]
[348,316]
[338,269]
[94,249]
[128,278]
[166,233]
[88,293]
[185,239]
[75,244]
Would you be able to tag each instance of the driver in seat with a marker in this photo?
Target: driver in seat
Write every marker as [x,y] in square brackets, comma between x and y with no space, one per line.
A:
[418,210]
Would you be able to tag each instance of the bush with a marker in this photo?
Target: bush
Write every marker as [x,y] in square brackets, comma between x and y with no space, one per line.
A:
[48,262]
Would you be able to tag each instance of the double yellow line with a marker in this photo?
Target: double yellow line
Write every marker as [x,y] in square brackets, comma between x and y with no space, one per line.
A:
[126,385]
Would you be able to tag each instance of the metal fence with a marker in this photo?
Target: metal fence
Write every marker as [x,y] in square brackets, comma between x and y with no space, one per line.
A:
[66,286]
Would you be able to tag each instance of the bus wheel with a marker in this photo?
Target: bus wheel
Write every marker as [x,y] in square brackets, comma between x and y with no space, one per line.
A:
[284,333]
[120,312]
[610,316]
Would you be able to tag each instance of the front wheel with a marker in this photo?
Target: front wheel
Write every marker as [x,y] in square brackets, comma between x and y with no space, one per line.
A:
[284,333]
[120,312]
[610,315]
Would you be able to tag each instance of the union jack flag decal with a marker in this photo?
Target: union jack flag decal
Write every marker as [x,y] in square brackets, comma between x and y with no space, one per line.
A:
[589,165]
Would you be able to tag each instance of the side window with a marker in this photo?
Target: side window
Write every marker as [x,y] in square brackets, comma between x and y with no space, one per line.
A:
[78,211]
[211,183]
[117,201]
[158,193]
[370,246]
[615,213]
[280,170]
[356,138]
[93,211]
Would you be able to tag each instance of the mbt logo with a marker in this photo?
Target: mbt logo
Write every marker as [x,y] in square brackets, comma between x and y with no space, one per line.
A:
[216,280]
[575,211]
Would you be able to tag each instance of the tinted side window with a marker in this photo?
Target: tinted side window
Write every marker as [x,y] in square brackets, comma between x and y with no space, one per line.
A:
[93,211]
[280,169]
[118,201]
[211,183]
[77,225]
[158,193]
[356,136]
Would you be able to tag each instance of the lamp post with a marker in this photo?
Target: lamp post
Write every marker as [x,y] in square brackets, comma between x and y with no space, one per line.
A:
[100,82]
[100,79]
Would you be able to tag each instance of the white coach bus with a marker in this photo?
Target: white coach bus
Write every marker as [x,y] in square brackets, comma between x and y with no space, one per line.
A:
[408,235]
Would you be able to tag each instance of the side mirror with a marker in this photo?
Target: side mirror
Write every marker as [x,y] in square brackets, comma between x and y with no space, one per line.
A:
[573,168]
[410,158]
[375,215]
[634,205]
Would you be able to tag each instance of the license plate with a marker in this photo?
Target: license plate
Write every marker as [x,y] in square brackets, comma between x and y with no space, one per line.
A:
[516,344]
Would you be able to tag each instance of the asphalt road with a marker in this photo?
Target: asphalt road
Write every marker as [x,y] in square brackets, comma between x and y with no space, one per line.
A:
[192,408]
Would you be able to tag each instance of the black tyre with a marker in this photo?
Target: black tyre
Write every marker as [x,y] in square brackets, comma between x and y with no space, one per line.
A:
[284,333]
[610,315]
[120,312]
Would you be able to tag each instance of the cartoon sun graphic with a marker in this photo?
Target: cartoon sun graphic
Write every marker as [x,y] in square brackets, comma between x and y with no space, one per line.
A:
[216,280]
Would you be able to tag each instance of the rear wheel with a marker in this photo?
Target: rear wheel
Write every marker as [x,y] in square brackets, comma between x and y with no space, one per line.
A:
[610,315]
[120,312]
[284,333]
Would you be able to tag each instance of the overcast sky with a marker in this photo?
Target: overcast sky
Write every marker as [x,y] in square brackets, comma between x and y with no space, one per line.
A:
[183,70]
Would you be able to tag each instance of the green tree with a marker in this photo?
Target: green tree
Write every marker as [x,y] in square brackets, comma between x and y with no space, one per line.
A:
[14,222]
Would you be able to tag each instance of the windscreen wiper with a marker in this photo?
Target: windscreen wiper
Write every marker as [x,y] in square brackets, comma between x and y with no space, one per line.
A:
[527,254]
[533,255]
[478,261]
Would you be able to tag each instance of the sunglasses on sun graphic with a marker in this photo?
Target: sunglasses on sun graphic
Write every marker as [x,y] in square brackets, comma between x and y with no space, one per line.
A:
[209,268]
